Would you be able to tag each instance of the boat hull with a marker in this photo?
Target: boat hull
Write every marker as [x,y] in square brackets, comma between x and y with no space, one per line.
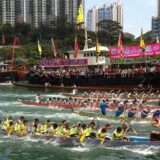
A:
[92,114]
[97,80]
[135,141]
[8,76]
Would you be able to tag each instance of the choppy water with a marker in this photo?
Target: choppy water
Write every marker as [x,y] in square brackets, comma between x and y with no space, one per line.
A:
[28,148]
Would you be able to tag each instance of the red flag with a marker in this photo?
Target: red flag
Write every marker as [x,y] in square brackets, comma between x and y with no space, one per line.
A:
[76,47]
[3,40]
[54,48]
[120,46]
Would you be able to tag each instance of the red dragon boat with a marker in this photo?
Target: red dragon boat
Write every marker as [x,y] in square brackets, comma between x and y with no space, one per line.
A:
[73,106]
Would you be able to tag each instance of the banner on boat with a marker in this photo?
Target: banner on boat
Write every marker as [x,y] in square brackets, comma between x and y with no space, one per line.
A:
[134,51]
[67,62]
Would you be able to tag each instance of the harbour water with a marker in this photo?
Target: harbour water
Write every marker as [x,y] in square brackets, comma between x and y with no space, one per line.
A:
[12,148]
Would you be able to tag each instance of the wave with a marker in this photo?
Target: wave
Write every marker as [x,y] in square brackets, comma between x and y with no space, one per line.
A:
[6,84]
[8,103]
[78,149]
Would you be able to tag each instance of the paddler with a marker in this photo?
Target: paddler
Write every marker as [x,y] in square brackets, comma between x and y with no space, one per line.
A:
[38,98]
[17,126]
[118,134]
[6,122]
[23,128]
[53,130]
[83,132]
[44,127]
[119,111]
[10,128]
[89,133]
[66,131]
[102,132]
[60,128]
[74,130]
[145,113]
[156,118]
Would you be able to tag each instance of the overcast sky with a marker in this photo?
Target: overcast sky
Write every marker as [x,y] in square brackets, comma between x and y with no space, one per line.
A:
[137,13]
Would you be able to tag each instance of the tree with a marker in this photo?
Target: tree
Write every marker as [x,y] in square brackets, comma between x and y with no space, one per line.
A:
[109,28]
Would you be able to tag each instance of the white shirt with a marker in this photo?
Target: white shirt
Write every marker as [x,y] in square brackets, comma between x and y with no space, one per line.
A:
[38,99]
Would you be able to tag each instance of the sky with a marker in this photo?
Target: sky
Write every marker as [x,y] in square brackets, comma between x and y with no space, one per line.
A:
[137,14]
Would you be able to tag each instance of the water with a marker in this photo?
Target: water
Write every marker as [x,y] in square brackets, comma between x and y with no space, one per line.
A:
[13,148]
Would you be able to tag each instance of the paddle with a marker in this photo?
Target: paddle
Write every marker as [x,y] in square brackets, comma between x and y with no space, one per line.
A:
[82,138]
[102,141]
[134,131]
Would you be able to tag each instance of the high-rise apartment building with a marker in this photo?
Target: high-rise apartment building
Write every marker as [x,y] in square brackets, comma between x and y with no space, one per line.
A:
[92,19]
[20,11]
[37,12]
[113,11]
[7,11]
[70,9]
[156,23]
[52,7]
[158,8]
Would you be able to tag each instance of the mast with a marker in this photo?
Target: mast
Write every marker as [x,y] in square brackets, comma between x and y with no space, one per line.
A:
[3,43]
[86,38]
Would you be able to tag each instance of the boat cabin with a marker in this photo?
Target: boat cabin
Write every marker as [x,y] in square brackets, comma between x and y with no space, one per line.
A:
[86,59]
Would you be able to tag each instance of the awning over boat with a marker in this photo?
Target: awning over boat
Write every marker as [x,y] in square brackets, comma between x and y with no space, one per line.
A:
[93,49]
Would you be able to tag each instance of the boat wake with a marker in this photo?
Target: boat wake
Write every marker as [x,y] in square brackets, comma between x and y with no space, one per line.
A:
[142,150]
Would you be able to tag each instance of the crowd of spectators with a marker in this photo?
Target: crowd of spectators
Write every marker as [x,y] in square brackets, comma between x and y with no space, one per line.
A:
[109,72]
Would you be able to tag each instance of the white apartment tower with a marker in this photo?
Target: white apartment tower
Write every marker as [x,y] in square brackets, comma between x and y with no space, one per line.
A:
[92,19]
[52,6]
[7,11]
[113,11]
[20,11]
[36,11]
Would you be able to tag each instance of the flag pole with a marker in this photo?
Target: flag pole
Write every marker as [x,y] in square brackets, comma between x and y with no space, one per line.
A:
[4,58]
[3,43]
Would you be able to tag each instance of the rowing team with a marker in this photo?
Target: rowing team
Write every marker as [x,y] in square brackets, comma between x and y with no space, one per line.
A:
[64,129]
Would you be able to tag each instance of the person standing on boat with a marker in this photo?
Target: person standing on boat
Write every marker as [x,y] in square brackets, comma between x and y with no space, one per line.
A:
[103,106]
[74,91]
[38,98]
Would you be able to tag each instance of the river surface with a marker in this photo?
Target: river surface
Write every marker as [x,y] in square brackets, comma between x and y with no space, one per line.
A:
[12,148]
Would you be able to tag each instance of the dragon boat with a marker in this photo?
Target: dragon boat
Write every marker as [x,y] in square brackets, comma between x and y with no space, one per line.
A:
[31,103]
[134,141]
[93,114]
[73,106]
[106,97]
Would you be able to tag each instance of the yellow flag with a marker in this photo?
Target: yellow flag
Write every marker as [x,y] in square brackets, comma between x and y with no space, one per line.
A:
[39,48]
[98,50]
[80,16]
[142,43]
